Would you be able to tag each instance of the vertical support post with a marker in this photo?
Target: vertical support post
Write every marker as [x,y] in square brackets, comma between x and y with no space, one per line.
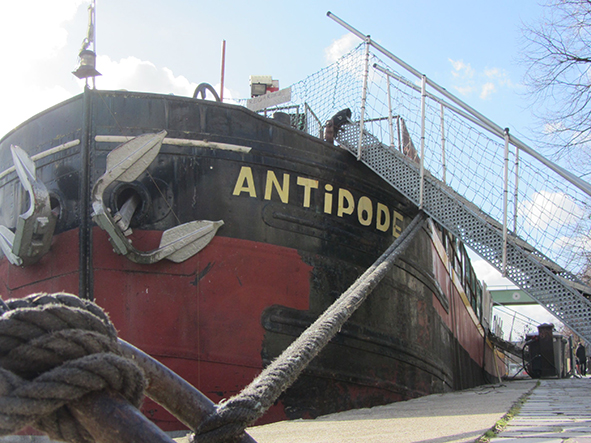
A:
[223,70]
[85,275]
[516,194]
[422,160]
[92,29]
[443,164]
[390,113]
[363,96]
[399,135]
[505,201]
[512,325]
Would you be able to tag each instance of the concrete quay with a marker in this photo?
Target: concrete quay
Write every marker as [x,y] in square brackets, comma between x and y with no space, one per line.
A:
[462,416]
[546,411]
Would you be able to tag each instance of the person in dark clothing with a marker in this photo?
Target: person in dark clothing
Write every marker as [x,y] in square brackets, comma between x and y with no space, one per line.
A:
[581,359]
[333,126]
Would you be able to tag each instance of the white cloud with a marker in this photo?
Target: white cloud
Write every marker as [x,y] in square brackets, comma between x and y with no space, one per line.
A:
[553,127]
[486,82]
[487,273]
[574,244]
[499,75]
[34,24]
[340,47]
[463,73]
[487,89]
[547,209]
[492,72]
[461,69]
[36,46]
[134,74]
[32,32]
[464,90]
[228,93]
[28,101]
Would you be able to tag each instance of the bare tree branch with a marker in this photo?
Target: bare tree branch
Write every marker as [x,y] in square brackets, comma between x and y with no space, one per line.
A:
[558,59]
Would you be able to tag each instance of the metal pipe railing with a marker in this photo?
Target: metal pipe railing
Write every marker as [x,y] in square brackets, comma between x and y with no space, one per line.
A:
[363,97]
[422,159]
[443,163]
[505,201]
[571,178]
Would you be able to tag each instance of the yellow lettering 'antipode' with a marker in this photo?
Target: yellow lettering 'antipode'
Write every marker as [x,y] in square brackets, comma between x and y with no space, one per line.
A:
[365,211]
[382,213]
[272,182]
[245,182]
[345,196]
[396,227]
[308,185]
[346,202]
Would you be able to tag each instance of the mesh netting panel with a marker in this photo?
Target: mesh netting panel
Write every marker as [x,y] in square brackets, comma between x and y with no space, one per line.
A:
[543,209]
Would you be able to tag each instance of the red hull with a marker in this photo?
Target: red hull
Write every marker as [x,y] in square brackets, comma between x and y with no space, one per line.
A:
[201,318]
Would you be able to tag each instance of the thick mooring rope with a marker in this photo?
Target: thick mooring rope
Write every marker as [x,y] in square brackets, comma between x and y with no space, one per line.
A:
[233,416]
[54,349]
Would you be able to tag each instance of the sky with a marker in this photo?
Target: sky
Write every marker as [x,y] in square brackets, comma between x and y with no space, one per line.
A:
[470,47]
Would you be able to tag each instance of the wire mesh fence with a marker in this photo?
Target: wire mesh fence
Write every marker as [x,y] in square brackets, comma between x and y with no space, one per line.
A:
[539,205]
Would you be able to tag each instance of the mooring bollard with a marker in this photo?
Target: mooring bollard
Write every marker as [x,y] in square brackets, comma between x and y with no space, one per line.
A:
[109,418]
[171,391]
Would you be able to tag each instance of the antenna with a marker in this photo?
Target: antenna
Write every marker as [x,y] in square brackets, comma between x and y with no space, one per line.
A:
[87,57]
[223,70]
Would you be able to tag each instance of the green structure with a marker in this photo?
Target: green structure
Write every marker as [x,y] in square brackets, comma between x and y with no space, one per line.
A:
[511,297]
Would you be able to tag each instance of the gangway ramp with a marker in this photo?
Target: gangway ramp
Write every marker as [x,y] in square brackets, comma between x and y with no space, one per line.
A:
[545,281]
[527,216]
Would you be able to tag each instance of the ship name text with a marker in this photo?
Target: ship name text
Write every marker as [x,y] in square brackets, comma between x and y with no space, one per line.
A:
[340,202]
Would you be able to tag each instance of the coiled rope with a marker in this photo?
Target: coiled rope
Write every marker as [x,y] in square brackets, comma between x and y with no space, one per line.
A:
[232,417]
[54,349]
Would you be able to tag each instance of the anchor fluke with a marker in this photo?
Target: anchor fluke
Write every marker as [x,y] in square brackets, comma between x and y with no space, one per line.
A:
[6,242]
[34,228]
[125,164]
[189,238]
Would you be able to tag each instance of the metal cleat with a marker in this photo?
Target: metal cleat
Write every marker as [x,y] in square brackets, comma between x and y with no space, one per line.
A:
[126,163]
[34,229]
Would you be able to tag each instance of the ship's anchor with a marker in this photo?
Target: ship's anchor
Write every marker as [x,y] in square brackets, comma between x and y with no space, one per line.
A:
[34,229]
[126,163]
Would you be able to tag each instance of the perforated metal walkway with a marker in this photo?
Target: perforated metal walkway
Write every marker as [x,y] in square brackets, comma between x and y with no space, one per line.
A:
[556,289]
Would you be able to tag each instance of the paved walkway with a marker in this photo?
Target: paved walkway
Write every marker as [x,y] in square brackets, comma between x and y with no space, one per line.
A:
[557,411]
[453,417]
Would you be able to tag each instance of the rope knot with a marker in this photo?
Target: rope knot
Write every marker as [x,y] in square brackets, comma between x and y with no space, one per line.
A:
[54,349]
[229,420]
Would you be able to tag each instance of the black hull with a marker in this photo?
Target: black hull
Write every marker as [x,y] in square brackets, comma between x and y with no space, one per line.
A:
[294,207]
